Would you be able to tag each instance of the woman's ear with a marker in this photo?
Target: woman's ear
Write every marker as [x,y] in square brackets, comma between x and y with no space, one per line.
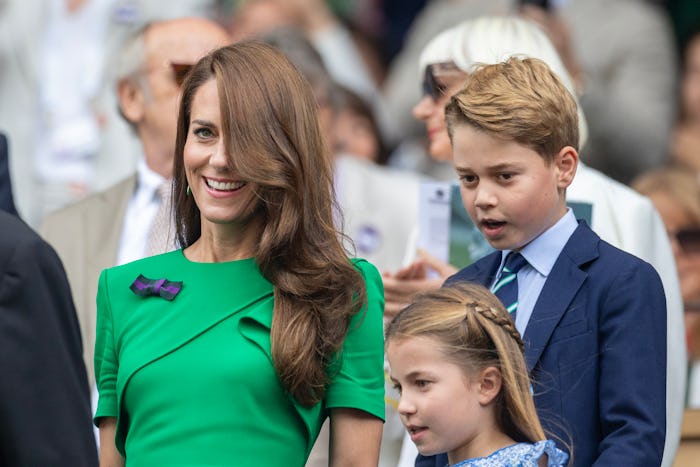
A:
[490,382]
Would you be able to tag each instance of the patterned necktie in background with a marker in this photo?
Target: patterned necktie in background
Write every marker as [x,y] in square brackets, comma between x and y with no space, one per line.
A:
[506,289]
[161,237]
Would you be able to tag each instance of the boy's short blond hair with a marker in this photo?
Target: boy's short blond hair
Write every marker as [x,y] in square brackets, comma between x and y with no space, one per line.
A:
[518,100]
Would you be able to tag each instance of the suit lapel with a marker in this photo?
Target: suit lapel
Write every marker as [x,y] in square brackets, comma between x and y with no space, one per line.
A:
[97,234]
[564,281]
[482,272]
[104,225]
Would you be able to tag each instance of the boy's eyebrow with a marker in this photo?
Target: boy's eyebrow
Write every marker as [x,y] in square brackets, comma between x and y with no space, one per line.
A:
[492,168]
[504,166]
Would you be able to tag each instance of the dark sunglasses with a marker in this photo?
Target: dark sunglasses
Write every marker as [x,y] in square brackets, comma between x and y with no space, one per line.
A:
[439,77]
[431,86]
[689,240]
[180,71]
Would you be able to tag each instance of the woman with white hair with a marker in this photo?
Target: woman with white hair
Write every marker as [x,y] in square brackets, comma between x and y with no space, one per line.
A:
[617,214]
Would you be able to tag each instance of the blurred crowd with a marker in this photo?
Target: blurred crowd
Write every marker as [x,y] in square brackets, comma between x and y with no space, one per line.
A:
[75,127]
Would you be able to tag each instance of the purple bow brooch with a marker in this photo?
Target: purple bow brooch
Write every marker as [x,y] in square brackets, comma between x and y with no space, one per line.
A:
[144,287]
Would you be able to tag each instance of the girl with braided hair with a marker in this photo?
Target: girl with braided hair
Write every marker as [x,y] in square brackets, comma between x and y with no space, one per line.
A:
[458,363]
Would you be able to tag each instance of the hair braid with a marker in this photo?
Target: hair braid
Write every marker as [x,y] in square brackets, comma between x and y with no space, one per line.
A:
[506,322]
[474,331]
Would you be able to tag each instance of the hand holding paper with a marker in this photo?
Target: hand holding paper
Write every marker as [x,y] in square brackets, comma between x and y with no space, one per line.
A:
[404,284]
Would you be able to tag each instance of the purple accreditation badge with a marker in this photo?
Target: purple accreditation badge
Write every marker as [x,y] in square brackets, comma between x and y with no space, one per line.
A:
[368,239]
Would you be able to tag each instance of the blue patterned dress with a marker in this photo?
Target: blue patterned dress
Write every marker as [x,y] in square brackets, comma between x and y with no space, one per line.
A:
[520,455]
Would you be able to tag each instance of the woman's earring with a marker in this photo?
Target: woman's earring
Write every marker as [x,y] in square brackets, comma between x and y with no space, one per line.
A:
[189,190]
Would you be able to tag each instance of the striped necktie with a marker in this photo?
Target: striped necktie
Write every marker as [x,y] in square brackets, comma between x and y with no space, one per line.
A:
[506,289]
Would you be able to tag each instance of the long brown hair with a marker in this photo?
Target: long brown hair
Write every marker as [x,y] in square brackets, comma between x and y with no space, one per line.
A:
[475,332]
[270,125]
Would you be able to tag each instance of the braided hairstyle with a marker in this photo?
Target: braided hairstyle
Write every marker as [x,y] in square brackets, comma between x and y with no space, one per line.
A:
[476,332]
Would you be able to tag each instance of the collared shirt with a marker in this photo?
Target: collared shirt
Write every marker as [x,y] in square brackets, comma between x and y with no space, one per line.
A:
[541,254]
[140,212]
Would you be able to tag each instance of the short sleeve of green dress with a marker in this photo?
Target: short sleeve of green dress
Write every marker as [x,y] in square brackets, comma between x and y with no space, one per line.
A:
[191,380]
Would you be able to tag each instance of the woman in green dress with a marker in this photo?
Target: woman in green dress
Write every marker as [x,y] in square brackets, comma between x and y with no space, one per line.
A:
[233,350]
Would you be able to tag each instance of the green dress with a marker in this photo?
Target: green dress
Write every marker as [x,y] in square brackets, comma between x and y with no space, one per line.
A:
[191,380]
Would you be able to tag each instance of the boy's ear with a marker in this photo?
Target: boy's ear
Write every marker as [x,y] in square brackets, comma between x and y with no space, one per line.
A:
[490,381]
[566,162]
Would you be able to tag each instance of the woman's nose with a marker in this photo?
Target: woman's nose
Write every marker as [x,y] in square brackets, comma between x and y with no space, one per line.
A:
[219,157]
[423,108]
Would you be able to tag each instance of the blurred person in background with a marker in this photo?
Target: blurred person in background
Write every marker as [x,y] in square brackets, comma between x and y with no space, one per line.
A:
[341,53]
[625,73]
[52,57]
[676,195]
[44,394]
[7,203]
[685,144]
[54,69]
[347,57]
[43,374]
[354,130]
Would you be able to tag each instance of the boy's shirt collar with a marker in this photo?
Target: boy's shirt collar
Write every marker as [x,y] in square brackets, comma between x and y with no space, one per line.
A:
[542,252]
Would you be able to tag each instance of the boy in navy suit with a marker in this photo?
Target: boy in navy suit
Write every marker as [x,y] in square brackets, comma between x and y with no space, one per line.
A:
[593,318]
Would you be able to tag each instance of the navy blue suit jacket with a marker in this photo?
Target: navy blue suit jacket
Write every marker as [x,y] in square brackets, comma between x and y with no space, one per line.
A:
[596,349]
[6,202]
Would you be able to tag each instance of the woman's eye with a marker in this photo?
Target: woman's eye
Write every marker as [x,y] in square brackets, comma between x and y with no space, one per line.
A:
[203,132]
[440,89]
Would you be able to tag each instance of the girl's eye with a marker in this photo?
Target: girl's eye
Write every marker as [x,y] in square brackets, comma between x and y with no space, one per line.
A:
[422,383]
[397,387]
[505,176]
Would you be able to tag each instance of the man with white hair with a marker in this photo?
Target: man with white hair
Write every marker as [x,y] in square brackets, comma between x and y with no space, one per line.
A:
[113,226]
